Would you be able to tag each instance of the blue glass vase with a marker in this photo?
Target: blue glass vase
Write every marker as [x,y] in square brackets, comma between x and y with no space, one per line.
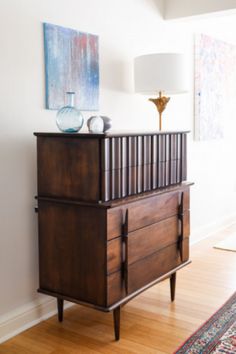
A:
[69,119]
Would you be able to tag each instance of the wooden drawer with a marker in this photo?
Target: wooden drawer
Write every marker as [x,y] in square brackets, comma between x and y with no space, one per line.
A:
[148,269]
[146,241]
[145,212]
[145,271]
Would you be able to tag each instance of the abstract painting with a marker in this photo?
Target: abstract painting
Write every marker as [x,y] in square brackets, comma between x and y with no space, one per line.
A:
[215,89]
[71,64]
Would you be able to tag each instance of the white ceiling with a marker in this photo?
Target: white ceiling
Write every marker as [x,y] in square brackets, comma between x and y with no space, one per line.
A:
[174,9]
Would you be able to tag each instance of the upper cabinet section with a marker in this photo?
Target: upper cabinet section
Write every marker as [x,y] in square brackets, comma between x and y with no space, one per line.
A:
[99,167]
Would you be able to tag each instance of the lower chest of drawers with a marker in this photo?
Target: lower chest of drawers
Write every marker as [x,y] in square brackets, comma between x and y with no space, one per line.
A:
[101,254]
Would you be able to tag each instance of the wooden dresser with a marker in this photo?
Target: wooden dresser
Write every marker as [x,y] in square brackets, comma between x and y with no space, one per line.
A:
[113,216]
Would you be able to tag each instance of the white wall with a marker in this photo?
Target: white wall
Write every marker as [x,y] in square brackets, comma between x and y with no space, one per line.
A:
[183,8]
[126,29]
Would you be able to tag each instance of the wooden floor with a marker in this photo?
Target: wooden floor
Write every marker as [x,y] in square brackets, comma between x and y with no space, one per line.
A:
[150,323]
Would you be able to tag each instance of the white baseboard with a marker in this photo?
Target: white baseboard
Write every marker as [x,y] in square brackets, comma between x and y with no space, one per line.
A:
[208,230]
[29,315]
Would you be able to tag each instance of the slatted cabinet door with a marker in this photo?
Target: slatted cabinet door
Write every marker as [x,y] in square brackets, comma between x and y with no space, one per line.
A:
[136,164]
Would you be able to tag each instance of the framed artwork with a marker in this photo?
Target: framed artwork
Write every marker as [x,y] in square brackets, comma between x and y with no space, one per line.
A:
[215,74]
[71,65]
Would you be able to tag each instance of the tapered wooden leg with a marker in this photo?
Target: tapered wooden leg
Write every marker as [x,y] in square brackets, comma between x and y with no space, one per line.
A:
[60,303]
[116,317]
[172,286]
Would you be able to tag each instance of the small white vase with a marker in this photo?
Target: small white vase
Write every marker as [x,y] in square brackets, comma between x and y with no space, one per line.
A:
[95,124]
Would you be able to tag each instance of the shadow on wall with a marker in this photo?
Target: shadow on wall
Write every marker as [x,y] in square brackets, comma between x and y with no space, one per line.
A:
[19,223]
[160,5]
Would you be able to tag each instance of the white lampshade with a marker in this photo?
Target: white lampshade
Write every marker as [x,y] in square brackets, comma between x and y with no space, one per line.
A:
[161,72]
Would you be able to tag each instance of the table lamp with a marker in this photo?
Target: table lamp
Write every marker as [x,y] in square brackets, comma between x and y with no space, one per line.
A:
[159,74]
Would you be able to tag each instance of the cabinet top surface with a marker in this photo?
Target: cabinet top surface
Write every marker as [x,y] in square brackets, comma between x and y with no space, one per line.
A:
[106,135]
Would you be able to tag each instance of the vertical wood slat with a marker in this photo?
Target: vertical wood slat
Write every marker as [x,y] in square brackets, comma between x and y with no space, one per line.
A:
[167,160]
[161,174]
[112,142]
[173,150]
[184,157]
[127,169]
[146,162]
[105,163]
[161,148]
[116,151]
[181,158]
[169,165]
[173,172]
[139,165]
[135,164]
[149,161]
[110,172]
[106,186]
[143,166]
[154,162]
[122,181]
[123,152]
[176,157]
[116,183]
[178,172]
[167,150]
[152,158]
[172,147]
[123,178]
[105,154]
[179,146]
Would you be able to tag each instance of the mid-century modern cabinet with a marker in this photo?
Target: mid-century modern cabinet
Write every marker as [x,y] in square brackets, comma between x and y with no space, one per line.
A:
[113,216]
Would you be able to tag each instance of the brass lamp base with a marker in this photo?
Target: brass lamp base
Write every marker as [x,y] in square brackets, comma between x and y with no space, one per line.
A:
[160,104]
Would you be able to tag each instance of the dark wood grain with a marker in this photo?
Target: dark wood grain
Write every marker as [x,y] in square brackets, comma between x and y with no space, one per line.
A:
[145,271]
[60,304]
[98,167]
[152,267]
[115,288]
[145,241]
[145,212]
[71,245]
[152,238]
[110,223]
[116,317]
[172,286]
[123,299]
[68,168]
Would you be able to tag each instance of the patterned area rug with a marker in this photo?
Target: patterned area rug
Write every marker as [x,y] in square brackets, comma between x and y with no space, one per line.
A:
[217,335]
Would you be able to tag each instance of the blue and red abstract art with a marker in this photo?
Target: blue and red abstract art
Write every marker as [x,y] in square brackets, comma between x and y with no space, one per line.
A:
[71,64]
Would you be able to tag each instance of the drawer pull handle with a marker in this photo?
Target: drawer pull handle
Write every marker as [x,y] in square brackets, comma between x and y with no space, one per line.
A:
[125,231]
[181,218]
